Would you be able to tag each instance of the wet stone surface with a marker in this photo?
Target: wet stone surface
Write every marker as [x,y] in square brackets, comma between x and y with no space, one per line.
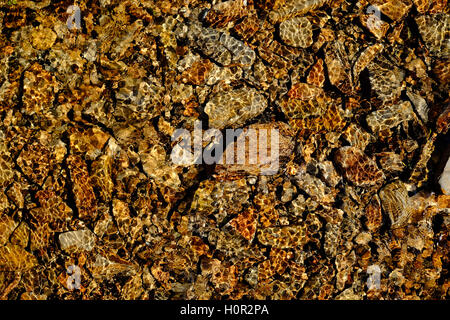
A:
[358,92]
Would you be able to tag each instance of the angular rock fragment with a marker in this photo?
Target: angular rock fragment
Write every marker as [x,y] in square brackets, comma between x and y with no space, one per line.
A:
[208,39]
[197,73]
[358,168]
[102,176]
[366,58]
[43,38]
[394,9]
[373,22]
[89,142]
[292,8]
[304,91]
[246,223]
[297,32]
[338,65]
[420,105]
[443,122]
[221,199]
[391,162]
[21,235]
[374,214]
[444,181]
[6,171]
[39,90]
[103,267]
[234,108]
[283,237]
[357,136]
[36,161]
[420,171]
[390,117]
[122,217]
[329,173]
[385,80]
[85,199]
[314,187]
[332,239]
[224,12]
[435,32]
[261,149]
[357,90]
[7,226]
[156,166]
[53,211]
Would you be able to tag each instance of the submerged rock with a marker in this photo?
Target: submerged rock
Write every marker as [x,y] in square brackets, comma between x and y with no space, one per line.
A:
[444,181]
[234,108]
[77,240]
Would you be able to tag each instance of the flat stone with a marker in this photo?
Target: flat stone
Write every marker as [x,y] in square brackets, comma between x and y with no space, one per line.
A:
[77,240]
[444,181]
